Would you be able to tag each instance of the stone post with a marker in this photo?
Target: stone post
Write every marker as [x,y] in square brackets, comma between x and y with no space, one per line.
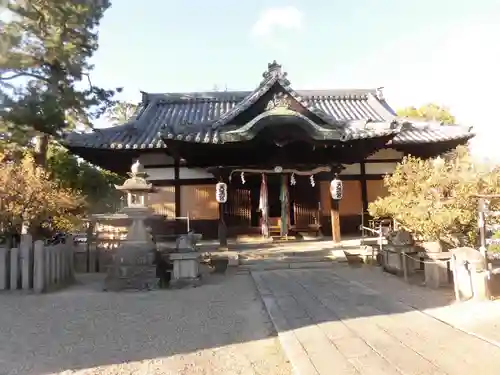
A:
[4,267]
[14,268]
[71,260]
[26,261]
[48,266]
[58,250]
[39,277]
[53,264]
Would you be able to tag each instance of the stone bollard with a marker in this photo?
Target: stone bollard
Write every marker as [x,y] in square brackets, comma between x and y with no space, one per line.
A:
[71,261]
[26,261]
[39,277]
[14,268]
[47,266]
[58,253]
[53,264]
[4,267]
[62,270]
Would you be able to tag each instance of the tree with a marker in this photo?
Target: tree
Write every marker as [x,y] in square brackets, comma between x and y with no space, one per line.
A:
[121,112]
[96,185]
[435,199]
[46,48]
[428,112]
[30,197]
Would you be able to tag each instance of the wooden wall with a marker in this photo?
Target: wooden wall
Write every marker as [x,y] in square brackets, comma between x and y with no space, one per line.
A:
[194,191]
[198,202]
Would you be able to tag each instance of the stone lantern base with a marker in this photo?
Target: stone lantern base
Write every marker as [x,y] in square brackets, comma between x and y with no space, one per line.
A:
[132,268]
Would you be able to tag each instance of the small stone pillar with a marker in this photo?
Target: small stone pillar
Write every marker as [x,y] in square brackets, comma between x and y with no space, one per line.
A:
[469,274]
[436,269]
[4,268]
[186,260]
[27,261]
[14,268]
[48,266]
[53,264]
[39,269]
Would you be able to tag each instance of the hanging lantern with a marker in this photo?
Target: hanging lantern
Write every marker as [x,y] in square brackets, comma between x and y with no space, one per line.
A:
[221,192]
[336,189]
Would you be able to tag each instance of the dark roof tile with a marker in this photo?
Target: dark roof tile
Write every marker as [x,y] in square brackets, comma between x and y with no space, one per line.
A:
[197,117]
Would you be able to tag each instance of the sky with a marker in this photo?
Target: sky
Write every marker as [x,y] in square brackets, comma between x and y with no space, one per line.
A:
[420,51]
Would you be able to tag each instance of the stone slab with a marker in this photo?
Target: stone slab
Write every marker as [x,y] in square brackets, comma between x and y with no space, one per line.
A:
[335,321]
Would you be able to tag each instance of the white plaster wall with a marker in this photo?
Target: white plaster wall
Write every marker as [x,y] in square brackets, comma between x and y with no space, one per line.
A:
[379,168]
[155,174]
[189,173]
[156,158]
[351,169]
[386,153]
[168,173]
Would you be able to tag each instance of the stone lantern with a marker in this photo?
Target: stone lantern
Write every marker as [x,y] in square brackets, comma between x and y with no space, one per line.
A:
[133,263]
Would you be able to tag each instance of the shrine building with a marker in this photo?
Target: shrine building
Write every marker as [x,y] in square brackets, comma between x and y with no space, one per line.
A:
[293,142]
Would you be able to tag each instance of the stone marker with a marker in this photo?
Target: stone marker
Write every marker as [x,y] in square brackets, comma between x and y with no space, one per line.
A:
[4,258]
[14,268]
[39,267]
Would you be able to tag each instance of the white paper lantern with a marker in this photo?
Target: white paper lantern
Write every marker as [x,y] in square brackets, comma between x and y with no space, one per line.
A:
[221,192]
[336,189]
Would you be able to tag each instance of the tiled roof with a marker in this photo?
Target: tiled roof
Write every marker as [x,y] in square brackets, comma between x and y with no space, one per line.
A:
[200,116]
[430,132]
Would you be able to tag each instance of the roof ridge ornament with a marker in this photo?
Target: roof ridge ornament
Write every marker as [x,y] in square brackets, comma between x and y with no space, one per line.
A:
[379,93]
[274,70]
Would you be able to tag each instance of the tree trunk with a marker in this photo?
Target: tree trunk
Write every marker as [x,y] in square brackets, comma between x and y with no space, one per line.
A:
[41,147]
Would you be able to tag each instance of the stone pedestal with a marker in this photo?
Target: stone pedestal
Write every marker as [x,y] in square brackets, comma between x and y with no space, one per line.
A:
[185,268]
[132,268]
[436,269]
[396,261]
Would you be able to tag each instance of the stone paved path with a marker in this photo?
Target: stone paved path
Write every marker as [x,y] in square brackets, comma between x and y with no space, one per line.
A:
[348,321]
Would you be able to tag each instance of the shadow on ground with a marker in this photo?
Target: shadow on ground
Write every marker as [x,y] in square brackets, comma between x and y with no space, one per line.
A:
[82,327]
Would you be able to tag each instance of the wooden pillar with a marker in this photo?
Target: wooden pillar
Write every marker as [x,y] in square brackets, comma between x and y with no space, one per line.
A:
[335,218]
[177,197]
[334,209]
[364,191]
[222,176]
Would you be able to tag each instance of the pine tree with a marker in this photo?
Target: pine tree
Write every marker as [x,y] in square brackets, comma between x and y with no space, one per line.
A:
[45,84]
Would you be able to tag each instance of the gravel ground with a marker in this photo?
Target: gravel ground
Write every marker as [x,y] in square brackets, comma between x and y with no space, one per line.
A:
[220,327]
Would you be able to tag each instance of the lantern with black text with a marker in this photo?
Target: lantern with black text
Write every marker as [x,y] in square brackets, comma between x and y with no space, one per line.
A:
[221,192]
[336,189]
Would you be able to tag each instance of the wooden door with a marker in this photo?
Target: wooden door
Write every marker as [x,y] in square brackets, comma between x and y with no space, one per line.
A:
[239,207]
[305,202]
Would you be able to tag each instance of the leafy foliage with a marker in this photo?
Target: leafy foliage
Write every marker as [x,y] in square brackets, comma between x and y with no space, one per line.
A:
[97,185]
[428,112]
[434,199]
[30,196]
[121,112]
[45,52]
